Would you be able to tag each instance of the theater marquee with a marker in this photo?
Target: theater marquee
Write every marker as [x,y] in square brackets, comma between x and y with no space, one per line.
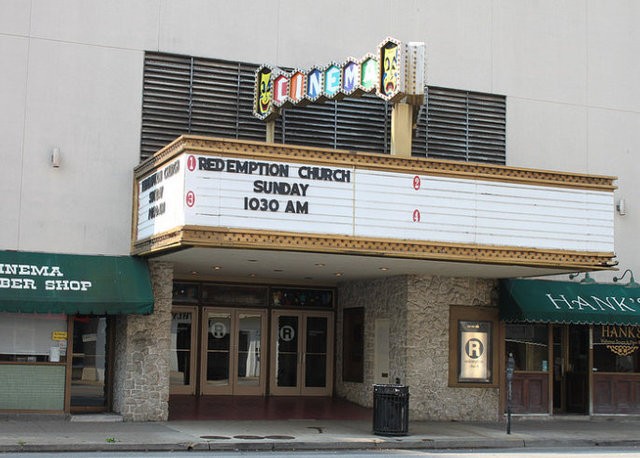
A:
[365,203]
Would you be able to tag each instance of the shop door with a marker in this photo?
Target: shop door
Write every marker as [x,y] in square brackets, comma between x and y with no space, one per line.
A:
[182,359]
[90,387]
[571,369]
[233,342]
[302,353]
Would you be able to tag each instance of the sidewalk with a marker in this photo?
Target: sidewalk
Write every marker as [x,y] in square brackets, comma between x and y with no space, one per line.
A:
[105,433]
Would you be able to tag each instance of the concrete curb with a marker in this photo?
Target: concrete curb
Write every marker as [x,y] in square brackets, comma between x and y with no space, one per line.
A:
[421,444]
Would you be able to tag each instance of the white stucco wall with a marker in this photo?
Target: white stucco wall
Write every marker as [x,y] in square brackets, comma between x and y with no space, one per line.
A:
[71,77]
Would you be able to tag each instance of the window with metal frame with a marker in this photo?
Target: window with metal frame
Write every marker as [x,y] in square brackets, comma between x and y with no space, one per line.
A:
[192,95]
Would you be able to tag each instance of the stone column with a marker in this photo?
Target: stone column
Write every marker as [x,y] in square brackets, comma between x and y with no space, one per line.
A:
[141,379]
[381,298]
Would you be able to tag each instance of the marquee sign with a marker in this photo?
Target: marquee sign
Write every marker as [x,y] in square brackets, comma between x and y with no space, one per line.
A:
[353,201]
[397,71]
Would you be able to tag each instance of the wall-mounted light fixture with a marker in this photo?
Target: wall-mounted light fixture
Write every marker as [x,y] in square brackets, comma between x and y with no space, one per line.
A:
[586,280]
[621,206]
[56,157]
[632,282]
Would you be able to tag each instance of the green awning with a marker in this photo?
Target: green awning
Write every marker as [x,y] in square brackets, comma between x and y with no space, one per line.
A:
[74,284]
[544,301]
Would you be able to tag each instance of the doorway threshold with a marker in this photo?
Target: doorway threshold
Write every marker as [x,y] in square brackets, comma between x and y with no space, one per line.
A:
[96,417]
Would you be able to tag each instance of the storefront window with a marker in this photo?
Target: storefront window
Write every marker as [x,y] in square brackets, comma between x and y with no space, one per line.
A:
[294,297]
[32,337]
[529,344]
[235,295]
[353,345]
[181,339]
[615,348]
[185,292]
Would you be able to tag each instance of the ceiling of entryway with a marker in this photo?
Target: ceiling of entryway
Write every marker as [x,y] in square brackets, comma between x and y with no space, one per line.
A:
[242,265]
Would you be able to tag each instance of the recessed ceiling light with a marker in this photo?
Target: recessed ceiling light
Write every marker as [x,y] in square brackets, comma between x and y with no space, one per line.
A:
[384,269]
[319,264]
[308,278]
[252,260]
[194,272]
[278,270]
[338,274]
[216,267]
[252,275]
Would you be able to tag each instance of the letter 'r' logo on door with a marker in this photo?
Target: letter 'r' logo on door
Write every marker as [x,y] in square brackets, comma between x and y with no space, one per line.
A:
[287,333]
[474,348]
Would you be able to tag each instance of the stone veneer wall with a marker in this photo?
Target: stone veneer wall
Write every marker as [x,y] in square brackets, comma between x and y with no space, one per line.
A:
[384,298]
[141,380]
[418,307]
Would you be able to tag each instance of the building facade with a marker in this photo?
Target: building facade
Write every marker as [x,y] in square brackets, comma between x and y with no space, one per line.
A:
[361,263]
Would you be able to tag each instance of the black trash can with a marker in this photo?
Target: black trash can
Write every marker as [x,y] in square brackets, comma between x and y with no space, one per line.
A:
[390,410]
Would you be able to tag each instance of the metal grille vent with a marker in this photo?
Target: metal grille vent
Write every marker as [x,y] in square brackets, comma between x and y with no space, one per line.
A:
[189,95]
[462,125]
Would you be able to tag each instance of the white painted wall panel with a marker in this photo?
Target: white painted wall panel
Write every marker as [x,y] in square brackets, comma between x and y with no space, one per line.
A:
[115,23]
[15,17]
[86,101]
[539,50]
[613,38]
[12,94]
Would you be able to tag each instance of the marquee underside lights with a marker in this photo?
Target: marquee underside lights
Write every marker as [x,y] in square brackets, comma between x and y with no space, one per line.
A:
[395,72]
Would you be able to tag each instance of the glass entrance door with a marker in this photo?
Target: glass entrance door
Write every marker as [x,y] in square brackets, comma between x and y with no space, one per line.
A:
[302,353]
[182,359]
[571,369]
[233,341]
[90,368]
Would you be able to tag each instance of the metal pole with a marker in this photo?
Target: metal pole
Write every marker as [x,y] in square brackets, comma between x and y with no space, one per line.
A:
[511,363]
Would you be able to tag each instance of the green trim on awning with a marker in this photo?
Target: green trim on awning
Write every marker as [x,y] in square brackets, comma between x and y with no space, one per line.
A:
[74,284]
[545,301]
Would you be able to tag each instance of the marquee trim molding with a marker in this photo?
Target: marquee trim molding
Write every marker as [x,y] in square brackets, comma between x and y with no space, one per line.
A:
[198,236]
[370,161]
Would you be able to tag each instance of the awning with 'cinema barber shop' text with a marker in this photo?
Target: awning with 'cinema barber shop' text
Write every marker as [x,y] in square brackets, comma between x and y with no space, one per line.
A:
[32,282]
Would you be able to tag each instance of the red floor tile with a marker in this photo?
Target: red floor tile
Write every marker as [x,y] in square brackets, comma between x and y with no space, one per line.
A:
[183,407]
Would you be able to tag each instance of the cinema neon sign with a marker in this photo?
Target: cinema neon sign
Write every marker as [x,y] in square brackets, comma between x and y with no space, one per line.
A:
[396,71]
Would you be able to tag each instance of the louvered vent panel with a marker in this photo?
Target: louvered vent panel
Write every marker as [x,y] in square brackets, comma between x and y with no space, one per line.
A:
[214,97]
[249,127]
[363,124]
[165,101]
[447,124]
[487,128]
[466,126]
[313,125]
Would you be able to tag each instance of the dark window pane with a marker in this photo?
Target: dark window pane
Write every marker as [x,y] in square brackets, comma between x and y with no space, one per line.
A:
[353,345]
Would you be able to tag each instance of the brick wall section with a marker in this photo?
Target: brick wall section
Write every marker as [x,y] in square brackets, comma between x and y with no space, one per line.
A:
[418,307]
[141,380]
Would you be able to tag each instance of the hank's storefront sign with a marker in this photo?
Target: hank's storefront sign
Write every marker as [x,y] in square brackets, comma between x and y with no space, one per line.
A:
[396,71]
[593,303]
